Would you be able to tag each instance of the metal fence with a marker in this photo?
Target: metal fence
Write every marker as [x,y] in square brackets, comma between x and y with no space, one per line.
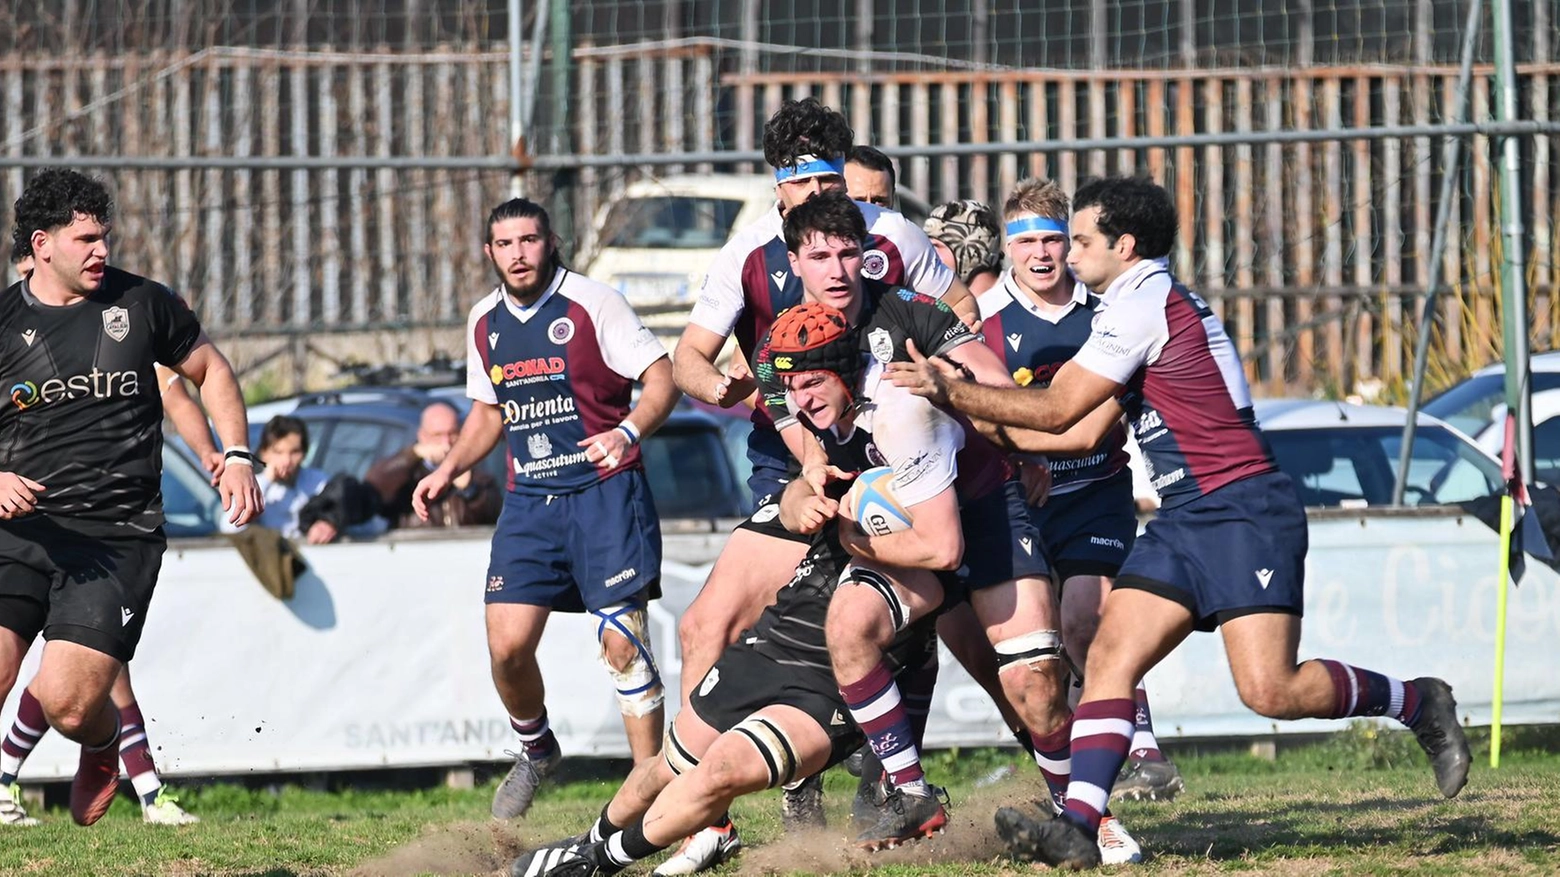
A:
[332,173]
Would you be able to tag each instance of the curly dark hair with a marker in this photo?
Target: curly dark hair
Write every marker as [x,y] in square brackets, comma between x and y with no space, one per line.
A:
[831,214]
[806,127]
[281,426]
[52,200]
[1132,206]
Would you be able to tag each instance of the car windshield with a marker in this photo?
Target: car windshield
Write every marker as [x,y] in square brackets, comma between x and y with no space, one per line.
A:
[688,473]
[1355,467]
[1470,404]
[671,222]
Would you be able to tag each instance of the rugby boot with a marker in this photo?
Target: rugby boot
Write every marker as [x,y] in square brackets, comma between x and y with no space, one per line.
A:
[703,851]
[11,810]
[96,783]
[573,859]
[1058,842]
[515,793]
[1117,845]
[165,810]
[1440,735]
[802,807]
[906,817]
[1148,781]
[867,807]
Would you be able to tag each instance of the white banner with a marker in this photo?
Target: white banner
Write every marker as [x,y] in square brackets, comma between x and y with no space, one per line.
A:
[381,659]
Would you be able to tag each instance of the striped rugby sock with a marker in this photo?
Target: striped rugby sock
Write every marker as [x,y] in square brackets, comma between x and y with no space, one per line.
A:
[1102,731]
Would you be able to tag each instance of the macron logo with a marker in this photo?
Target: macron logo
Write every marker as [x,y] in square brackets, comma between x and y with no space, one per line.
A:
[125,615]
[1014,340]
[492,340]
[1264,577]
[29,335]
[1028,545]
[779,278]
[837,719]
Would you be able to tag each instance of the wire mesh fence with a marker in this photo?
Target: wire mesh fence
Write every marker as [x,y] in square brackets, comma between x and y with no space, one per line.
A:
[395,118]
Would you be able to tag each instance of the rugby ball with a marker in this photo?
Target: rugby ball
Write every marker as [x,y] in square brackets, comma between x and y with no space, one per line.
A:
[874,507]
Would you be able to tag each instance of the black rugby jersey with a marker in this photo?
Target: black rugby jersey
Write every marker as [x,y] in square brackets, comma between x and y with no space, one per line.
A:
[84,413]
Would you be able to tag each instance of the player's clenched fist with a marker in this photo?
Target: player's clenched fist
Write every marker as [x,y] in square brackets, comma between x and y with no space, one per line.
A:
[240,494]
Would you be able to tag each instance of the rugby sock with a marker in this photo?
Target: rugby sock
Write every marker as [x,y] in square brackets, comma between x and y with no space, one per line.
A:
[1359,692]
[603,828]
[30,726]
[136,755]
[627,847]
[1145,746]
[915,688]
[875,704]
[1102,731]
[1053,753]
[536,736]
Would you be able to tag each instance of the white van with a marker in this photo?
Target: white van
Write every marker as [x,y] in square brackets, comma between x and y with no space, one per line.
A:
[657,241]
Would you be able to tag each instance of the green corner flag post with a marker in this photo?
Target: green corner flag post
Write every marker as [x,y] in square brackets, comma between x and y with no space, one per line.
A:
[1516,456]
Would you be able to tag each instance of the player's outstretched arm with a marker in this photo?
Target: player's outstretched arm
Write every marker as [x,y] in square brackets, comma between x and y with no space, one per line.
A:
[213,374]
[1083,437]
[481,431]
[804,508]
[190,421]
[1074,392]
[693,368]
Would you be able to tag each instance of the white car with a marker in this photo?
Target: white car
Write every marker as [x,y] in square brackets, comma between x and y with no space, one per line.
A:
[1346,456]
[1470,404]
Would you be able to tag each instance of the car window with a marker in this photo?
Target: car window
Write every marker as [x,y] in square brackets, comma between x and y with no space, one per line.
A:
[1469,405]
[672,223]
[351,446]
[689,474]
[1351,466]
[190,503]
[1443,469]
[1546,451]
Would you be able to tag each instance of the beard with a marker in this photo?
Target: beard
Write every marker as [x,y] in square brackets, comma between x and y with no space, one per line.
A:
[541,276]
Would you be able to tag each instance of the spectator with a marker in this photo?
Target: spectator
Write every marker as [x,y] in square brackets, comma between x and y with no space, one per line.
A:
[474,497]
[286,484]
[968,238]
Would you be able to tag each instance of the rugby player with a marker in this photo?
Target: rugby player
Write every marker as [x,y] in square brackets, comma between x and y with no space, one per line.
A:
[1227,550]
[551,360]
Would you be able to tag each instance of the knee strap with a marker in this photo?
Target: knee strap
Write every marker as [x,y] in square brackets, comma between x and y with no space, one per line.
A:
[773,746]
[898,613]
[677,756]
[639,688]
[1029,649]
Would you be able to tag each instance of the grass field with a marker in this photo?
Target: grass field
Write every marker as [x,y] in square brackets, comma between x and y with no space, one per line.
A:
[1360,803]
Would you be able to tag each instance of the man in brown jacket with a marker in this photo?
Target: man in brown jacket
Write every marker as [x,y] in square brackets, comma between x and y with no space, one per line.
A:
[475,498]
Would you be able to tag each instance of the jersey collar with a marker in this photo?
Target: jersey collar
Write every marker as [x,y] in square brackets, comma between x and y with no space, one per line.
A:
[524,314]
[1010,288]
[1135,276]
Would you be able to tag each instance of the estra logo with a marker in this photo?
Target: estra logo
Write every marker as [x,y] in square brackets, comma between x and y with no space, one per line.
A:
[96,384]
[526,368]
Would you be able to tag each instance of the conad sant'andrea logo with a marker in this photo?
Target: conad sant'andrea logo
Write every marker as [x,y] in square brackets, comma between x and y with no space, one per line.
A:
[95,384]
[24,394]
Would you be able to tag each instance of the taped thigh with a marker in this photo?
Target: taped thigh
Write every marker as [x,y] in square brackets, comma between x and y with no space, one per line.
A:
[898,612]
[639,688]
[1030,649]
[678,756]
[773,746]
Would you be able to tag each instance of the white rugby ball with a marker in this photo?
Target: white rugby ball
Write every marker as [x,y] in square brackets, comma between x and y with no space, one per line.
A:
[876,510]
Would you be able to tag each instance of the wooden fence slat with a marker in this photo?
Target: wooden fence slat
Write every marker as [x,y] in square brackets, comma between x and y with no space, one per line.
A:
[357,194]
[1097,108]
[920,130]
[389,305]
[1067,130]
[445,212]
[302,228]
[1332,230]
[1185,179]
[1486,282]
[213,288]
[948,176]
[242,311]
[184,210]
[1392,231]
[1126,126]
[980,122]
[674,117]
[1363,245]
[329,199]
[1007,132]
[1245,225]
[1216,264]
[158,258]
[1039,129]
[1273,220]
[1304,229]
[1154,112]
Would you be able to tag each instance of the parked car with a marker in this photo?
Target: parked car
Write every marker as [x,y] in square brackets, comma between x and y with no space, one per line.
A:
[690,473]
[1470,404]
[1346,456]
[1546,434]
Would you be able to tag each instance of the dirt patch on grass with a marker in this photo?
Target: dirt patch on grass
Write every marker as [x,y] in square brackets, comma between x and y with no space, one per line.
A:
[461,848]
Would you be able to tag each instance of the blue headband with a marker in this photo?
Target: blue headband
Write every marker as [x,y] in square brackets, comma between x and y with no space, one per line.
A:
[809,166]
[1017,227]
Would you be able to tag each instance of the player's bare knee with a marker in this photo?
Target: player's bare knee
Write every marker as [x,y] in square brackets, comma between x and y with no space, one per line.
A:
[729,771]
[1268,696]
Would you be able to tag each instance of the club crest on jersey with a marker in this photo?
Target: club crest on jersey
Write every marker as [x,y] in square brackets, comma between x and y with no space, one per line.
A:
[116,323]
[874,264]
[881,344]
[539,445]
[560,331]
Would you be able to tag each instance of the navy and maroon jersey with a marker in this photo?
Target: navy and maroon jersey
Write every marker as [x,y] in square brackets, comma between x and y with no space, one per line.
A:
[559,370]
[1035,345]
[84,418]
[751,280]
[1189,403]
